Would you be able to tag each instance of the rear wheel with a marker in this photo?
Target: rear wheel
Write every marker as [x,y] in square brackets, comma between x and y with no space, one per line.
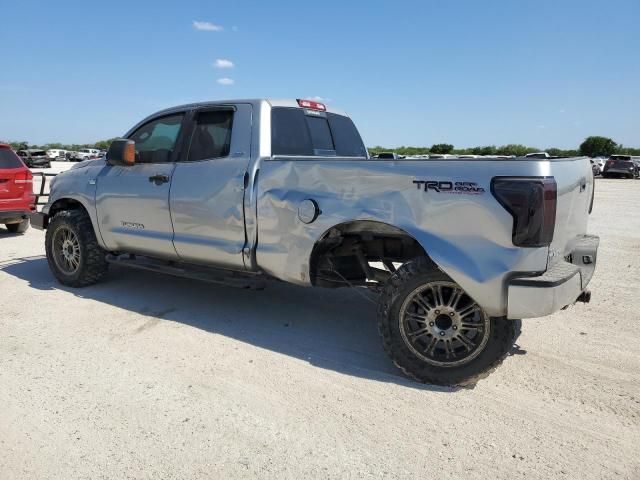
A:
[435,332]
[21,227]
[73,253]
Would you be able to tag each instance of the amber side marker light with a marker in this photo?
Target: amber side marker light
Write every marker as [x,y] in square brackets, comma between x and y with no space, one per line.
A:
[130,153]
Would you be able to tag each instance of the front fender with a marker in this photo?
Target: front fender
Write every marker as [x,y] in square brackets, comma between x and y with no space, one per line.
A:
[76,186]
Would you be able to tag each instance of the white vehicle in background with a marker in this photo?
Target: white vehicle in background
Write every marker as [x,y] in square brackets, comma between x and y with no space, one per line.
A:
[88,153]
[538,155]
[600,161]
[56,153]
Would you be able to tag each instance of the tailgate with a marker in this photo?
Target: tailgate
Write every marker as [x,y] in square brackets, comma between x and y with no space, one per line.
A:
[575,184]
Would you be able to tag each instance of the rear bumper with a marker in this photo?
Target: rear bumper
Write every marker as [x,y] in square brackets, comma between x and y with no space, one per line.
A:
[39,220]
[13,216]
[559,287]
[620,171]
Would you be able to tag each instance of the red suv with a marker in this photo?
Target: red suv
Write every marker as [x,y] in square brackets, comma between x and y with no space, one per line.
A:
[17,200]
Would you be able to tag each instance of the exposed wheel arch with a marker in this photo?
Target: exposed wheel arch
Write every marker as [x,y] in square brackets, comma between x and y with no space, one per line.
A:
[66,204]
[343,253]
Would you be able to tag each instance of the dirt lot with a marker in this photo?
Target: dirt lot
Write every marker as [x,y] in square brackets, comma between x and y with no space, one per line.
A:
[147,376]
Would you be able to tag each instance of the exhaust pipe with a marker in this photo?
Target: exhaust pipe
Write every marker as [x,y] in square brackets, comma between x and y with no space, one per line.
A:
[585,297]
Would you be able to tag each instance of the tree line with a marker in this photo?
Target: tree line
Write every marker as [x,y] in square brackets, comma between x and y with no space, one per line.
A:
[100,145]
[594,146]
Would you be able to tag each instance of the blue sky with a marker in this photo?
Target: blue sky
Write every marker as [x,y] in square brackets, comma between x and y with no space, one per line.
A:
[468,72]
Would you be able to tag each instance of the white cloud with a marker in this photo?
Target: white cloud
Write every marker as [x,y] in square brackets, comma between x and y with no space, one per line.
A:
[223,63]
[225,81]
[208,26]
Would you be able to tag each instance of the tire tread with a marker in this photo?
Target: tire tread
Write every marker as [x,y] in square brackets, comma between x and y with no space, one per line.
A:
[507,331]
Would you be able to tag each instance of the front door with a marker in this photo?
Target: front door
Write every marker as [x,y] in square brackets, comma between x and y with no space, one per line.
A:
[207,191]
[132,202]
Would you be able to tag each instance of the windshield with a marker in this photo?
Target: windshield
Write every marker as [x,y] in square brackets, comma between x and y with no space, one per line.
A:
[38,153]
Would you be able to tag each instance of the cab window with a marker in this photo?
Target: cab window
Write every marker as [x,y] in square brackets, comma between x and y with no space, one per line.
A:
[156,140]
[211,136]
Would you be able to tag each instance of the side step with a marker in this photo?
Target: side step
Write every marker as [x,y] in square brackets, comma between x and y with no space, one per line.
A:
[195,272]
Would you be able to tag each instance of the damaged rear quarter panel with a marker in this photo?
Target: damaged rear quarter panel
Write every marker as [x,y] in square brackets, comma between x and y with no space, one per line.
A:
[467,235]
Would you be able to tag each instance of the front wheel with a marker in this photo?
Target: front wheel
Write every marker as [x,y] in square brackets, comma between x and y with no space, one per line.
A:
[435,332]
[73,253]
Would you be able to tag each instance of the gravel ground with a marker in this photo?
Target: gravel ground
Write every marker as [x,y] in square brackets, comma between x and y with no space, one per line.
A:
[146,376]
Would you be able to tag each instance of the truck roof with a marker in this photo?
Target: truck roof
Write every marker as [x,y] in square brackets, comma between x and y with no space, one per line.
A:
[274,102]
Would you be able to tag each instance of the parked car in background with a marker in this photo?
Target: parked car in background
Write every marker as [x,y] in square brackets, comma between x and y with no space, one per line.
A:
[621,166]
[600,161]
[89,153]
[458,251]
[56,154]
[17,200]
[35,158]
[537,155]
[389,156]
[442,155]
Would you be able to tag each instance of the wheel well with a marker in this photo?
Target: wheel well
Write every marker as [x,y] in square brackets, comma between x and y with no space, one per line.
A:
[344,254]
[66,204]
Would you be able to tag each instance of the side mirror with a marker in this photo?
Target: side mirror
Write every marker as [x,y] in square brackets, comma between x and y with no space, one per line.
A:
[122,152]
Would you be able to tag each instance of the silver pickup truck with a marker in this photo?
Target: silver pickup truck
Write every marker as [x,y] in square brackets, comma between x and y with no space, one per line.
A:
[458,250]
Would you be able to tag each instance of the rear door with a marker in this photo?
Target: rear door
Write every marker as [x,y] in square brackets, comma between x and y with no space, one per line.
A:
[132,202]
[207,192]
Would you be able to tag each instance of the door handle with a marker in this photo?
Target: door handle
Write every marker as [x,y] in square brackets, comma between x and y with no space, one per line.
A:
[159,179]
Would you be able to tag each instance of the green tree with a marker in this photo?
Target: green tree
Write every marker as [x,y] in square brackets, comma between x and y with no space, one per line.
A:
[442,148]
[598,147]
[515,149]
[104,144]
[487,150]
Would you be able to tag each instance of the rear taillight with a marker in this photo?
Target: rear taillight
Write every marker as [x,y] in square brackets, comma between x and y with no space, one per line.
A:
[532,204]
[23,177]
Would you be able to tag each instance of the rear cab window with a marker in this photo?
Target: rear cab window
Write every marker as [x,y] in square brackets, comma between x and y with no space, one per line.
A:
[305,132]
[8,159]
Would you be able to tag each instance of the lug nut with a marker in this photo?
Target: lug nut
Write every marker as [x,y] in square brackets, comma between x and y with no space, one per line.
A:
[455,327]
[431,324]
[442,334]
[437,312]
[451,314]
